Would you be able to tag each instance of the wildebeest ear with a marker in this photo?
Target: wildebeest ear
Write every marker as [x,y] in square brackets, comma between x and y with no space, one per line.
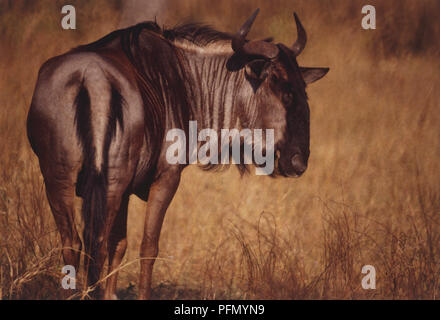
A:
[257,69]
[313,74]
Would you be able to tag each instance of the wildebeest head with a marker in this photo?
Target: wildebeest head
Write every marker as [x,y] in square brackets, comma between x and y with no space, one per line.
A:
[279,83]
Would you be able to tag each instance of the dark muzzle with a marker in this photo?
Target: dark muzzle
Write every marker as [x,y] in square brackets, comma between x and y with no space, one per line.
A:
[298,164]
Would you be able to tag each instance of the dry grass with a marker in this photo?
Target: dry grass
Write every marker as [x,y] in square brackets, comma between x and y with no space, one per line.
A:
[371,194]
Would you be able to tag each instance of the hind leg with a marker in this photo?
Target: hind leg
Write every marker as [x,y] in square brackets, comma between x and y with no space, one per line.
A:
[102,242]
[60,194]
[117,245]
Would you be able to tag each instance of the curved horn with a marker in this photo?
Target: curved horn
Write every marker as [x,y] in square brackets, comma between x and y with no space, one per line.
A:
[240,38]
[301,41]
[258,48]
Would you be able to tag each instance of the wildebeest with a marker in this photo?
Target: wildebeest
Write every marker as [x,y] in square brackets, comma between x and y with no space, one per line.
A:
[100,112]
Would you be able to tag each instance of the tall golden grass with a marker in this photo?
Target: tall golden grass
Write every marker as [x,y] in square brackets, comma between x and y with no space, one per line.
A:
[371,195]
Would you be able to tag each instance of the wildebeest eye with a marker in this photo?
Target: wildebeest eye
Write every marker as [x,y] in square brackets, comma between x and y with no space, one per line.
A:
[287,98]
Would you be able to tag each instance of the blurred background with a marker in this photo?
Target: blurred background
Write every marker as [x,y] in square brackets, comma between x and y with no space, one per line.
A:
[371,195]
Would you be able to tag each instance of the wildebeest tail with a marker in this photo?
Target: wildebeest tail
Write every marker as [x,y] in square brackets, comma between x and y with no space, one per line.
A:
[95,136]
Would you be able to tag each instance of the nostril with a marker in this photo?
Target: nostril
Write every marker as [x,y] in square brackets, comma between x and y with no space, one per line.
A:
[298,164]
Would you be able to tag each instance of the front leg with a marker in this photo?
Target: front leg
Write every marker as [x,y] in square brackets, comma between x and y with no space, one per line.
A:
[161,193]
